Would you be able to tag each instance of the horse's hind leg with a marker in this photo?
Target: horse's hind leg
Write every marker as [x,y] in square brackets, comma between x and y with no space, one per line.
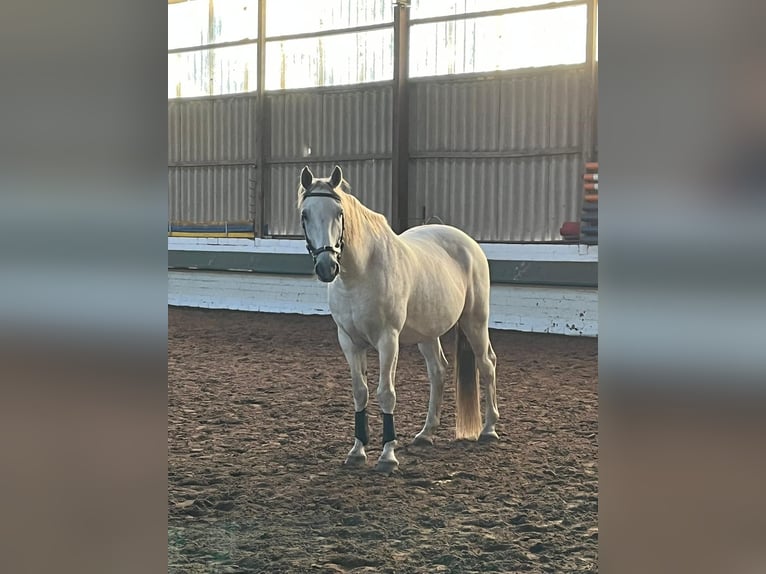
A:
[436,363]
[486,361]
[487,372]
[356,357]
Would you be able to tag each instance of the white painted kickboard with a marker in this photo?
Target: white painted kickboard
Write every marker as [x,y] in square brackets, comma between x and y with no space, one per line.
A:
[560,310]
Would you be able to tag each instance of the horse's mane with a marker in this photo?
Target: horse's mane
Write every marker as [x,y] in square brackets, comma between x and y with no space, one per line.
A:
[357,217]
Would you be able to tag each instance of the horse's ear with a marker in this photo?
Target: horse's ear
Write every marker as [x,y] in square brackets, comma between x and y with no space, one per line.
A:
[307,178]
[336,177]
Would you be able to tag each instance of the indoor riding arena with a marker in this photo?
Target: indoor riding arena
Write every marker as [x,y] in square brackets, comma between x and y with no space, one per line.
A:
[480,116]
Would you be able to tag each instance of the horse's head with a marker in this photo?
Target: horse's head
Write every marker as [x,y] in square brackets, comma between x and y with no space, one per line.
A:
[322,221]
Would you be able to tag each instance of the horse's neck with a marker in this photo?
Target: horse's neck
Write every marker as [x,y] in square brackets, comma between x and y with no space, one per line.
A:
[359,254]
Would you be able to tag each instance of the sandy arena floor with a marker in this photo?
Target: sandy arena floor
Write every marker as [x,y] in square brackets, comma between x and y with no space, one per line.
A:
[260,417]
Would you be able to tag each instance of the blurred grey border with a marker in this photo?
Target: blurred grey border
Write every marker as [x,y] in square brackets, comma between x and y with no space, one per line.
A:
[83,300]
[682,134]
[83,306]
[682,339]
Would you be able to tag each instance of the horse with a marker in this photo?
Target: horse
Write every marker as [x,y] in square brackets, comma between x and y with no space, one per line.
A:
[385,290]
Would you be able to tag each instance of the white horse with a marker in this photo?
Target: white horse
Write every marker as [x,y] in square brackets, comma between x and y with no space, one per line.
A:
[386,289]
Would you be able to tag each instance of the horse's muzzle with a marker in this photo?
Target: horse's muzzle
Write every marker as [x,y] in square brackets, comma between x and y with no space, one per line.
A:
[326,267]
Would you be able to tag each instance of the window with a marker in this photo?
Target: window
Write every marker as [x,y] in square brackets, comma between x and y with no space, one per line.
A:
[435,8]
[509,41]
[287,17]
[330,60]
[228,70]
[212,69]
[212,44]
[202,61]
[188,24]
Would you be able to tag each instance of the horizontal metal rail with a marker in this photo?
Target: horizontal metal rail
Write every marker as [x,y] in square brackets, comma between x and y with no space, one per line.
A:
[285,37]
[199,48]
[328,158]
[333,32]
[383,157]
[213,163]
[498,12]
[493,154]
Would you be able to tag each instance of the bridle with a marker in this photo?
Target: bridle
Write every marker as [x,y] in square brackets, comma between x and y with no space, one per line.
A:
[337,249]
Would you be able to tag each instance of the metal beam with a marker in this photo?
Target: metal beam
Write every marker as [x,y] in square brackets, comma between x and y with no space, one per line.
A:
[340,159]
[510,154]
[591,129]
[333,32]
[283,38]
[400,152]
[499,12]
[211,163]
[215,46]
[258,197]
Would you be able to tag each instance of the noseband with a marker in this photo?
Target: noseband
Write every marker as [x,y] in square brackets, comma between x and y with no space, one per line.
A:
[337,249]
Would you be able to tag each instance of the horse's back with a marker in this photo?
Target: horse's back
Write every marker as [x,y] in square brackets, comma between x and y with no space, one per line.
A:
[431,240]
[460,263]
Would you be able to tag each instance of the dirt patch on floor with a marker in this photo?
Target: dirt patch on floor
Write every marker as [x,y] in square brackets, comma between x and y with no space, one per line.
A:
[261,416]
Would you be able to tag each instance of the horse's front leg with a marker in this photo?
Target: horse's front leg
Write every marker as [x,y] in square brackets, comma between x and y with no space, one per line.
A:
[357,360]
[388,351]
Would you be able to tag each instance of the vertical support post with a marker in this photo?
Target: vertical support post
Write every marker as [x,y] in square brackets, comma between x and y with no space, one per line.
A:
[401,150]
[591,129]
[261,202]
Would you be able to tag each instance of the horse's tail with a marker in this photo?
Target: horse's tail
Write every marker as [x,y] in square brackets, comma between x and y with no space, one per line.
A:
[467,409]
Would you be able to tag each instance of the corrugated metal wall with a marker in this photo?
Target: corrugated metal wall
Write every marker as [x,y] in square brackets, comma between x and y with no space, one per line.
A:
[211,148]
[370,182]
[209,193]
[319,128]
[499,156]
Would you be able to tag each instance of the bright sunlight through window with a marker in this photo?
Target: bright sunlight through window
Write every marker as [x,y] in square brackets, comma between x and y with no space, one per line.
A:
[198,65]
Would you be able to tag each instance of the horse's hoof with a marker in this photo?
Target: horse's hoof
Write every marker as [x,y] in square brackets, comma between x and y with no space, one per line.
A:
[421,440]
[386,466]
[489,437]
[355,460]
